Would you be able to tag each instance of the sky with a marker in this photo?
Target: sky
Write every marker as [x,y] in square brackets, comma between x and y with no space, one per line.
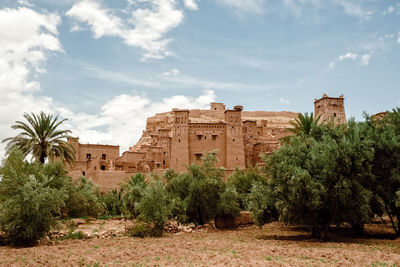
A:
[108,65]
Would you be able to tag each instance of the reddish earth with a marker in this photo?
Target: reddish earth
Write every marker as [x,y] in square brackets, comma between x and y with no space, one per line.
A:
[274,244]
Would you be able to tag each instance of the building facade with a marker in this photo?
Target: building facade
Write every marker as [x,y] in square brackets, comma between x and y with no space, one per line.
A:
[181,137]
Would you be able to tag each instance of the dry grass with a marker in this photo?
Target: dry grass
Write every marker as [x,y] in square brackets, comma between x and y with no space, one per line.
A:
[274,244]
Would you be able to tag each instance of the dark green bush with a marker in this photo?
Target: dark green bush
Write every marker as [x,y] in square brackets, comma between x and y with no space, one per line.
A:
[133,192]
[243,180]
[140,229]
[112,201]
[84,199]
[153,207]
[29,206]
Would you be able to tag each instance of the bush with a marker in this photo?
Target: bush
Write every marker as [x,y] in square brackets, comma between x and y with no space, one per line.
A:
[228,204]
[325,179]
[153,208]
[243,180]
[133,192]
[140,229]
[84,199]
[29,206]
[112,201]
[261,204]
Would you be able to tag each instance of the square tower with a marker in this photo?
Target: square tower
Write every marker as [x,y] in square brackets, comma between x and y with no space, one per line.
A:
[331,109]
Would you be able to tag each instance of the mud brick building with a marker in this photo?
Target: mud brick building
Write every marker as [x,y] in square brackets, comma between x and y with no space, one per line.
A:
[181,137]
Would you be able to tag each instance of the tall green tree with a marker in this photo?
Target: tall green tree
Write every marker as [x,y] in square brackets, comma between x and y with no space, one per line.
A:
[42,137]
[385,133]
[324,179]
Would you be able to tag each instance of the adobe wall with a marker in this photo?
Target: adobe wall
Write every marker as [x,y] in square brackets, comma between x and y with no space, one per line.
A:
[206,137]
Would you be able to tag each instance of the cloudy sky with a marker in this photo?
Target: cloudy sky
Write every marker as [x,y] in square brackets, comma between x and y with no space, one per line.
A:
[107,65]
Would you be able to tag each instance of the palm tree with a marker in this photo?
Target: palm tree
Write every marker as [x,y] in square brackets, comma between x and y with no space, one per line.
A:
[41,137]
[303,124]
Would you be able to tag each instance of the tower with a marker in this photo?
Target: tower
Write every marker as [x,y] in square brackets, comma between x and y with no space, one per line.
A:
[234,139]
[330,109]
[180,140]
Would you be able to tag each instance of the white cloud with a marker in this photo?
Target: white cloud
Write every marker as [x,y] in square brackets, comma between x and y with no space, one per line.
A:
[25,3]
[26,38]
[353,9]
[172,72]
[348,55]
[191,4]
[284,101]
[365,59]
[244,6]
[389,10]
[145,28]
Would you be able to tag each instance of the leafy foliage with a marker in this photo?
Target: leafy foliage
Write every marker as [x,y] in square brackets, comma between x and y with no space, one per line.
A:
[29,203]
[112,201]
[261,204]
[304,124]
[133,192]
[198,192]
[386,143]
[84,199]
[153,207]
[242,181]
[41,137]
[324,179]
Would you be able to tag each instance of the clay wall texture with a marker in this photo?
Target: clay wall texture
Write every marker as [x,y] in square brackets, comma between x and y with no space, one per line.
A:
[179,138]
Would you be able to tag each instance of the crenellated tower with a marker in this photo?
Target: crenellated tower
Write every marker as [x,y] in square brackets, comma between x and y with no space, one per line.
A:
[330,109]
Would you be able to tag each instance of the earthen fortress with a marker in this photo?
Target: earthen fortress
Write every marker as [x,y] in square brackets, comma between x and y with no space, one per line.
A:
[180,137]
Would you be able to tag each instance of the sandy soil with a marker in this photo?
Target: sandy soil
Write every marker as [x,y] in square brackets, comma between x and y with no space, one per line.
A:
[274,244]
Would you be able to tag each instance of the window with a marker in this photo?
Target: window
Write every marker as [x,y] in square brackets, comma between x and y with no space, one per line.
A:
[163,162]
[199,137]
[103,156]
[233,140]
[83,173]
[179,140]
[88,156]
[334,115]
[205,137]
[103,168]
[198,156]
[214,137]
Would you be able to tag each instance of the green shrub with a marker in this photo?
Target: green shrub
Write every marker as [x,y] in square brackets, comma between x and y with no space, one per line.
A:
[261,204]
[84,199]
[139,230]
[133,192]
[28,205]
[153,207]
[112,201]
[195,195]
[228,204]
[243,180]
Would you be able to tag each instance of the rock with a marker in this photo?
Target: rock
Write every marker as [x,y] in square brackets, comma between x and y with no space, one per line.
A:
[244,218]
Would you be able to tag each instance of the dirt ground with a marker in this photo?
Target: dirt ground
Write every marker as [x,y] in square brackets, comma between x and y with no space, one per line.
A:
[274,244]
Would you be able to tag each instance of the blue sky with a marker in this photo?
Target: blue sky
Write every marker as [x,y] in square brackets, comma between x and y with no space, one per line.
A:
[107,65]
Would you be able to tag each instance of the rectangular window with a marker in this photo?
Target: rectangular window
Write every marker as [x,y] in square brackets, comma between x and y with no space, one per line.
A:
[103,156]
[198,156]
[88,156]
[214,137]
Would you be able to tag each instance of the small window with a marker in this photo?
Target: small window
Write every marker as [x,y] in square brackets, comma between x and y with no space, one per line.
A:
[199,137]
[103,168]
[205,137]
[164,152]
[88,156]
[103,156]
[179,140]
[163,162]
[334,115]
[233,140]
[198,156]
[214,137]
[83,173]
